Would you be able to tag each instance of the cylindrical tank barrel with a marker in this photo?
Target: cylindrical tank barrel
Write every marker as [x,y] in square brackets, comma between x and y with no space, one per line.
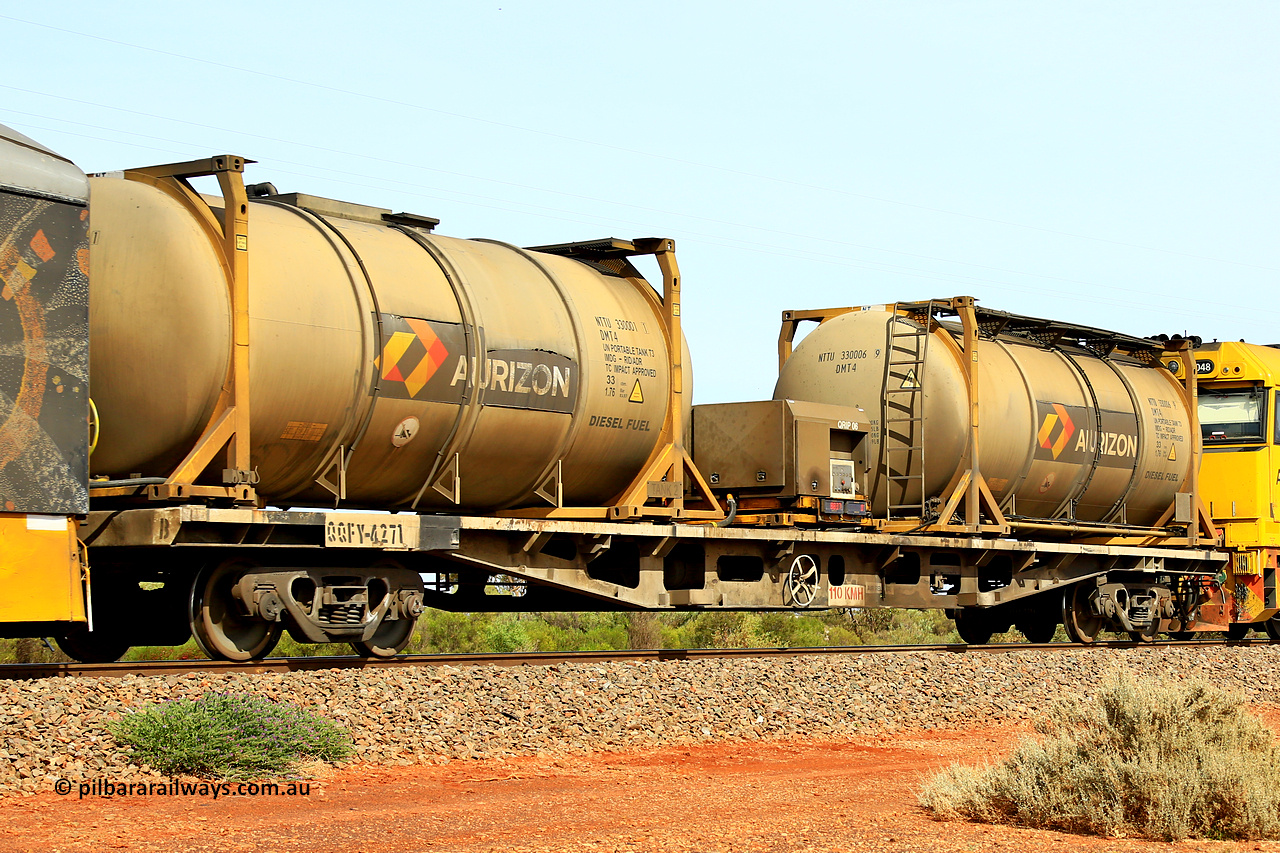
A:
[389,350]
[1061,432]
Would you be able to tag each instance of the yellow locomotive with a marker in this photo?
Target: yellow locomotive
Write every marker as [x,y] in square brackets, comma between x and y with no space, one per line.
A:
[1239,475]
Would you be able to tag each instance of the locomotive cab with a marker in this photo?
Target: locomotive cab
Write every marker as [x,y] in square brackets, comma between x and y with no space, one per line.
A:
[1240,473]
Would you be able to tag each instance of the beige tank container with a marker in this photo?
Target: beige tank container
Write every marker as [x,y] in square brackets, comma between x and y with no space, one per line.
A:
[376,346]
[1055,426]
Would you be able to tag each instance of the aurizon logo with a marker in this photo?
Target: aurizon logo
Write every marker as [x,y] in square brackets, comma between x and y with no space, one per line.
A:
[1056,422]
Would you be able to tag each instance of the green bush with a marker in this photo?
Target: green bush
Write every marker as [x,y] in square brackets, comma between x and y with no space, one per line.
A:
[30,650]
[225,735]
[573,632]
[445,632]
[187,651]
[916,627]
[1141,758]
[507,636]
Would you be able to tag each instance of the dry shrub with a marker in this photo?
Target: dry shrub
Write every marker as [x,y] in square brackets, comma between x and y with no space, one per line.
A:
[643,630]
[1140,758]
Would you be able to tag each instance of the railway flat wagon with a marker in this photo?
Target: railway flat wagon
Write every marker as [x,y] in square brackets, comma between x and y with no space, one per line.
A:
[227,416]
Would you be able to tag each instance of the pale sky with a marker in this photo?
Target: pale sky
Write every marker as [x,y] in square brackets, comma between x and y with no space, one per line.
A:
[1112,164]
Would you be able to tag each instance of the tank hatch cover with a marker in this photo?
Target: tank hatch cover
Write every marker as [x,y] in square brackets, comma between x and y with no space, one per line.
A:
[1100,342]
[413,220]
[593,250]
[1050,333]
[331,207]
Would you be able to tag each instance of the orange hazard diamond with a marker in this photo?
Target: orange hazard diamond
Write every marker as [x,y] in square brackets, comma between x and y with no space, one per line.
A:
[1050,425]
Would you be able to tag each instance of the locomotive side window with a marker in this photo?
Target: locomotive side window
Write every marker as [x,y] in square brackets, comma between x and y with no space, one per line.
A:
[1234,415]
[1276,439]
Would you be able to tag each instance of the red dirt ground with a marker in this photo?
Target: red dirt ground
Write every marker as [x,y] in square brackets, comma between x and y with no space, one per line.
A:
[778,796]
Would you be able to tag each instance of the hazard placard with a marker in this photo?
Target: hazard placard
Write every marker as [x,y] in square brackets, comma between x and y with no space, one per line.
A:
[637,396]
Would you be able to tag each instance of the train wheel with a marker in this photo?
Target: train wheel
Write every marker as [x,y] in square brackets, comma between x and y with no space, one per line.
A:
[1272,627]
[974,628]
[1238,630]
[220,628]
[389,640]
[88,646]
[1039,631]
[1082,625]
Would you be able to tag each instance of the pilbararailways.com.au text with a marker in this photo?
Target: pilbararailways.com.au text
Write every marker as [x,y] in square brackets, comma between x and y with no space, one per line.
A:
[177,788]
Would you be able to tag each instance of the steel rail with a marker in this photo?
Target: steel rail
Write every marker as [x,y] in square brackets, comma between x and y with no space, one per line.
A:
[119,669]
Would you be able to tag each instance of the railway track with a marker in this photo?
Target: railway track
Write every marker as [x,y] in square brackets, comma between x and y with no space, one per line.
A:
[27,671]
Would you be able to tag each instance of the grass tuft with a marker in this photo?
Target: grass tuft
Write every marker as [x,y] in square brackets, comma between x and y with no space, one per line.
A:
[231,736]
[1145,758]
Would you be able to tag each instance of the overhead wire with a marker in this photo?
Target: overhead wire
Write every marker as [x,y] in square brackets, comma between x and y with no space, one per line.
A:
[622,149]
[573,216]
[548,190]
[347,176]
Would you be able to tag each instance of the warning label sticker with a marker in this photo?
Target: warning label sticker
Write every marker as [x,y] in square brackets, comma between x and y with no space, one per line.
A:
[626,357]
